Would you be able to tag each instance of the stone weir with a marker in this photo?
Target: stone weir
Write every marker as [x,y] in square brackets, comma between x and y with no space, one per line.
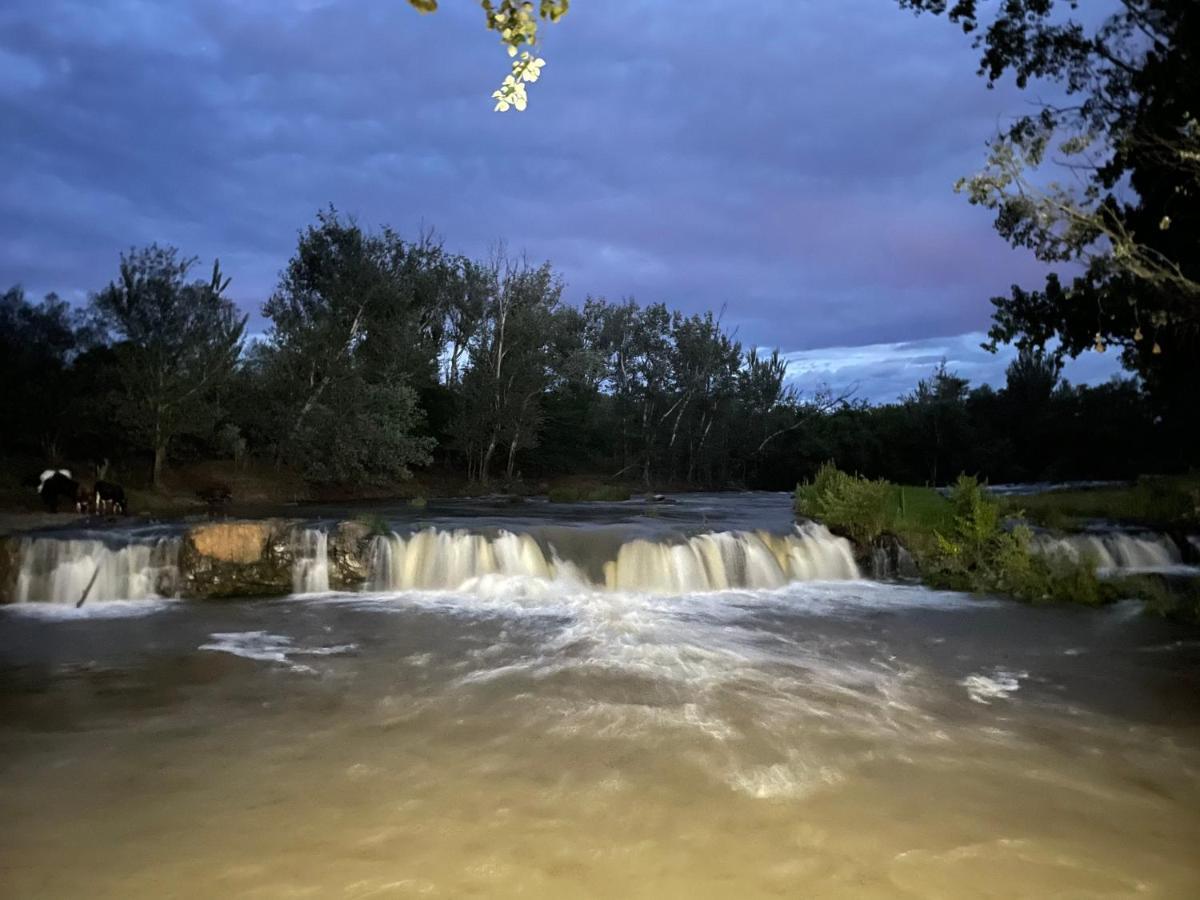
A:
[274,557]
[269,557]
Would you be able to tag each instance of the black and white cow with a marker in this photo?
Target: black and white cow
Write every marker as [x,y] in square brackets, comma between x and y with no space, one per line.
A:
[56,486]
[110,499]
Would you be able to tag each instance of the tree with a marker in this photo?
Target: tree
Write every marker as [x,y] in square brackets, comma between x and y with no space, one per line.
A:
[356,321]
[37,341]
[176,343]
[517,25]
[1127,134]
[511,364]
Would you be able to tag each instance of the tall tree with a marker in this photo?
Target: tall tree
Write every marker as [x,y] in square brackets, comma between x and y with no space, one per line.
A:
[355,321]
[1127,133]
[176,342]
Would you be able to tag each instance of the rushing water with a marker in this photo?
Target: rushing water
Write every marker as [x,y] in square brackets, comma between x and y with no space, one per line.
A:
[526,735]
[1116,551]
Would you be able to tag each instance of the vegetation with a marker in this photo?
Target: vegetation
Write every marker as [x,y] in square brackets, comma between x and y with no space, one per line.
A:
[1127,137]
[1157,502]
[517,24]
[385,357]
[961,543]
[982,556]
[848,504]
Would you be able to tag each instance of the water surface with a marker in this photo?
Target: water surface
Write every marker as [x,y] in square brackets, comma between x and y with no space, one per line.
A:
[820,739]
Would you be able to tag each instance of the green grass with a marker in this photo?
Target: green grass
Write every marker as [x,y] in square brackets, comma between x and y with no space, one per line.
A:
[916,514]
[1163,502]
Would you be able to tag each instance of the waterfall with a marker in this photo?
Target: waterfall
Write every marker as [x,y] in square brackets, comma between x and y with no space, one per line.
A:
[68,570]
[433,559]
[1114,551]
[310,568]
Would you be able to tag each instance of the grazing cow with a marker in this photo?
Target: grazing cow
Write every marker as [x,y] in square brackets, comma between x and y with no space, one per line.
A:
[110,499]
[57,486]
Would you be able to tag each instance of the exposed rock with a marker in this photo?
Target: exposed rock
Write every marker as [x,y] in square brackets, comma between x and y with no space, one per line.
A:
[8,568]
[232,542]
[237,559]
[349,548]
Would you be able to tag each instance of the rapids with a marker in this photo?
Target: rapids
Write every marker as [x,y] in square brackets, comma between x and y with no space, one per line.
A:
[696,703]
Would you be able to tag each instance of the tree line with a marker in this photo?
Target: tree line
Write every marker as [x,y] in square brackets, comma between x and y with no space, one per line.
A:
[384,355]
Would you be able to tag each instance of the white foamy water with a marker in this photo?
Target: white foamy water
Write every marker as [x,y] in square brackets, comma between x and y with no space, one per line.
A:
[71,570]
[434,559]
[997,685]
[519,722]
[266,647]
[310,571]
[1115,551]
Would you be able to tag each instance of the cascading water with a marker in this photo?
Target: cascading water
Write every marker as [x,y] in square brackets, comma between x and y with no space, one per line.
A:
[1114,551]
[76,570]
[310,570]
[445,560]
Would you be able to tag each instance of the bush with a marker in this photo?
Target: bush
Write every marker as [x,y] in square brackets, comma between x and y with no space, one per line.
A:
[375,524]
[979,555]
[848,504]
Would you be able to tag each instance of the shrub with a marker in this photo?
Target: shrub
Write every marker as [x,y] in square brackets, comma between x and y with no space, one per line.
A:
[979,555]
[375,524]
[848,504]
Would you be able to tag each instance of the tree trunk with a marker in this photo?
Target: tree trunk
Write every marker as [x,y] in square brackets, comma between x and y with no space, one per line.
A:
[486,463]
[512,453]
[160,462]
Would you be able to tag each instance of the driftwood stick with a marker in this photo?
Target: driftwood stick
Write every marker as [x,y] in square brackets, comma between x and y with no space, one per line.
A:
[87,590]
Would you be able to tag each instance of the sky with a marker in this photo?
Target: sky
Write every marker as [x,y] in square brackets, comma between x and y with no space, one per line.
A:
[790,163]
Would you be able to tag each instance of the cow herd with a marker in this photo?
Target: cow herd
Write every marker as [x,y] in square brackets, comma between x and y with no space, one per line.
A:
[58,489]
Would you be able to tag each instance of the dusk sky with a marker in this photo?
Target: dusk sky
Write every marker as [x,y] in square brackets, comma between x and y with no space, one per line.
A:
[793,164]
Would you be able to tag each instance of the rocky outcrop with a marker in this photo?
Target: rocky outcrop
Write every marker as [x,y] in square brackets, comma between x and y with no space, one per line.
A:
[232,542]
[237,559]
[349,552]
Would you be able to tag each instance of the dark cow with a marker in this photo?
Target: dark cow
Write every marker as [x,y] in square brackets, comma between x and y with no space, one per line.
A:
[110,499]
[57,486]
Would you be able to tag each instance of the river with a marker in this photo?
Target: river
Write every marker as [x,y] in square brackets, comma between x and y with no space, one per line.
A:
[543,736]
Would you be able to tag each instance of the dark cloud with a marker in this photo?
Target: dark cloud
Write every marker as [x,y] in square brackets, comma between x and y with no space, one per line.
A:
[789,162]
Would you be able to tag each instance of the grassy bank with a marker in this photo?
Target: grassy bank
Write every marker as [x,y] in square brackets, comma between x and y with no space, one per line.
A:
[960,542]
[1153,501]
[963,542]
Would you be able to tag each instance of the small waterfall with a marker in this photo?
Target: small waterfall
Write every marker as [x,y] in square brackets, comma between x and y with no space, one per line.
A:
[447,560]
[1114,550]
[68,570]
[310,569]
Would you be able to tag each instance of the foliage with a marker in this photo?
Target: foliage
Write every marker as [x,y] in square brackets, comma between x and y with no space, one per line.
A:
[980,555]
[375,524]
[848,504]
[176,343]
[1128,138]
[1162,502]
[384,354]
[517,24]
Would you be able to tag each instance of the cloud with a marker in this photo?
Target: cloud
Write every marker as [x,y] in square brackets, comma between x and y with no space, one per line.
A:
[881,373]
[790,162]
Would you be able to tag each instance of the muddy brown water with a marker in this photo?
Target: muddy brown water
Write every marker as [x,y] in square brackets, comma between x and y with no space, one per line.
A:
[823,739]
